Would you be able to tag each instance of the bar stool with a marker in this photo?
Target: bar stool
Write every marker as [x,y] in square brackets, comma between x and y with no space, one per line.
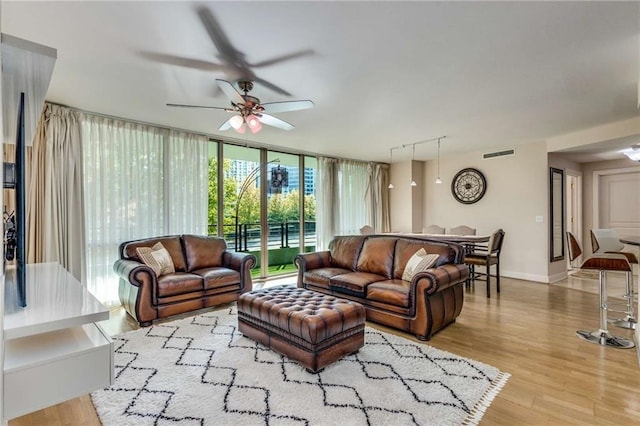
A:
[602,263]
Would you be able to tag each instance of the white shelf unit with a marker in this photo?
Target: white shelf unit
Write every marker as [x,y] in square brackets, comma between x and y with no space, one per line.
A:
[54,351]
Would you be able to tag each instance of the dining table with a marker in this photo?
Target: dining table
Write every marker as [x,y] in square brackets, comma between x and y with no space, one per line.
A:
[634,240]
[469,242]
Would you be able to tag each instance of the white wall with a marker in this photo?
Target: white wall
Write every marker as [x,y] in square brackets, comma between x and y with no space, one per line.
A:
[400,197]
[517,192]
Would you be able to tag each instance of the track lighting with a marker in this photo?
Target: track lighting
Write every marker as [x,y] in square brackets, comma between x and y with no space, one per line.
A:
[390,161]
[438,180]
[413,155]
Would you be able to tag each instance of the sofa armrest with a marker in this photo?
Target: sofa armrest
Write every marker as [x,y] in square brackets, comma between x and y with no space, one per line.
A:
[137,290]
[129,269]
[309,261]
[440,278]
[243,263]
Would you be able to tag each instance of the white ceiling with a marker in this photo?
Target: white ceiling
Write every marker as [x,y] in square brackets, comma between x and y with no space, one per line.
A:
[487,75]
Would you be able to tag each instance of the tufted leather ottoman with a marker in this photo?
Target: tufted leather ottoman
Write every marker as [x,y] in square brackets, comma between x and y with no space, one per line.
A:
[309,327]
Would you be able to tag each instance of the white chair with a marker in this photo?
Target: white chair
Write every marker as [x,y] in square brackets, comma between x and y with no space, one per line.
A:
[608,241]
[462,230]
[433,229]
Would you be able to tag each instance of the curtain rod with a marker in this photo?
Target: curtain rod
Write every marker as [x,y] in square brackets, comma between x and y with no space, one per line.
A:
[214,138]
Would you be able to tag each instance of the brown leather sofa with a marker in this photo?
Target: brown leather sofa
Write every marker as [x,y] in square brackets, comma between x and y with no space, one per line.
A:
[368,269]
[206,274]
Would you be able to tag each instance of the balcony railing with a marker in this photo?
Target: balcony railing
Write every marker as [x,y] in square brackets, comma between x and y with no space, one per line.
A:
[246,236]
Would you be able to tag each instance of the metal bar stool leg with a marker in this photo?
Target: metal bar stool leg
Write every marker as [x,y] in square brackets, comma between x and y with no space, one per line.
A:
[602,336]
[629,320]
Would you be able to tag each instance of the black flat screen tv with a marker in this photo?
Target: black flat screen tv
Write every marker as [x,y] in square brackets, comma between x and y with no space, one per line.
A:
[15,239]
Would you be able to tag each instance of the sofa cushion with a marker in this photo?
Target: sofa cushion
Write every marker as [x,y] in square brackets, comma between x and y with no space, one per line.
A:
[376,256]
[171,243]
[420,261]
[345,250]
[203,252]
[354,283]
[320,277]
[393,292]
[218,276]
[157,258]
[178,283]
[405,248]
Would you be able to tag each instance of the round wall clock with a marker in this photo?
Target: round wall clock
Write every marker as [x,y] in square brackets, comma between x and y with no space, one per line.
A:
[468,186]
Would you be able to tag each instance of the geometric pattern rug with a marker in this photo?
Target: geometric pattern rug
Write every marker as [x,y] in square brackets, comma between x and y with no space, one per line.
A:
[202,371]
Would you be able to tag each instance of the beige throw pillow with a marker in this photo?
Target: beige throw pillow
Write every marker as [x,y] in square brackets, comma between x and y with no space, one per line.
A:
[157,258]
[420,261]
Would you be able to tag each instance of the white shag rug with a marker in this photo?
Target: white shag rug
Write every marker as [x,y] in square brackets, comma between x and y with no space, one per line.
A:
[201,371]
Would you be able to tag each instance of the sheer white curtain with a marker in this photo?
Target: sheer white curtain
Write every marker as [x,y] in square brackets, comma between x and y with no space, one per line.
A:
[325,199]
[139,181]
[341,198]
[187,183]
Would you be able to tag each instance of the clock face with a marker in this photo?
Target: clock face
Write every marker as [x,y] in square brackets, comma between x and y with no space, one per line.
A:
[468,186]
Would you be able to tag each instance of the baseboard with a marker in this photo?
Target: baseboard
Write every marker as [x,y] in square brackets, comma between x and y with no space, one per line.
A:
[528,277]
[558,277]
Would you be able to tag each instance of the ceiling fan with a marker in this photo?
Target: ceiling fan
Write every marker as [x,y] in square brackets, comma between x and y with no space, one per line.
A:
[231,61]
[248,111]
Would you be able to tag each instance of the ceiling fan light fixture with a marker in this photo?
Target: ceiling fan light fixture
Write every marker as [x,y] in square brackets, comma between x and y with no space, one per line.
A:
[254,123]
[236,121]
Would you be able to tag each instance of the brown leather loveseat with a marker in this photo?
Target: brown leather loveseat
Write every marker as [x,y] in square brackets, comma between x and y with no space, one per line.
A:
[368,269]
[206,274]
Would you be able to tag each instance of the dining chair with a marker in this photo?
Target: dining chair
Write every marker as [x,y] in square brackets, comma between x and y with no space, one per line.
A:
[487,257]
[575,251]
[433,229]
[462,230]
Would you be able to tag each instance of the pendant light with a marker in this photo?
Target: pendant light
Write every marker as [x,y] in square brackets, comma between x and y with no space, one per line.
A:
[413,156]
[390,161]
[438,180]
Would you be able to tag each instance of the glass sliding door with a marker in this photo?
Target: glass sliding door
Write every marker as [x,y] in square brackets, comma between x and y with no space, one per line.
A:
[212,211]
[241,200]
[265,204]
[284,183]
[309,203]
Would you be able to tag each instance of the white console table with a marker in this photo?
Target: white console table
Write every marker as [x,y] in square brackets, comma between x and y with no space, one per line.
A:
[54,351]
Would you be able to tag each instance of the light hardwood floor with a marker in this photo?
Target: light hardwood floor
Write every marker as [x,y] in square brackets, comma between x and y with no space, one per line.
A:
[527,331]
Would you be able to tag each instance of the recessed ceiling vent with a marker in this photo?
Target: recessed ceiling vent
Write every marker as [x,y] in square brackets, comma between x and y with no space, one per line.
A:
[504,153]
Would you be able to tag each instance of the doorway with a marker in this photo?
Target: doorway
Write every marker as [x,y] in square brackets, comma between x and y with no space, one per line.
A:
[573,210]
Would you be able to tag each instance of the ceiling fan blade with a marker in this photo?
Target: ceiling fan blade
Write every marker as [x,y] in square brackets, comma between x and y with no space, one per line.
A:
[272,86]
[275,122]
[199,106]
[227,52]
[231,92]
[275,107]
[226,125]
[182,61]
[283,58]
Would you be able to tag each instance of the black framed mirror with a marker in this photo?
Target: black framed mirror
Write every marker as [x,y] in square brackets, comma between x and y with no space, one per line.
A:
[556,214]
